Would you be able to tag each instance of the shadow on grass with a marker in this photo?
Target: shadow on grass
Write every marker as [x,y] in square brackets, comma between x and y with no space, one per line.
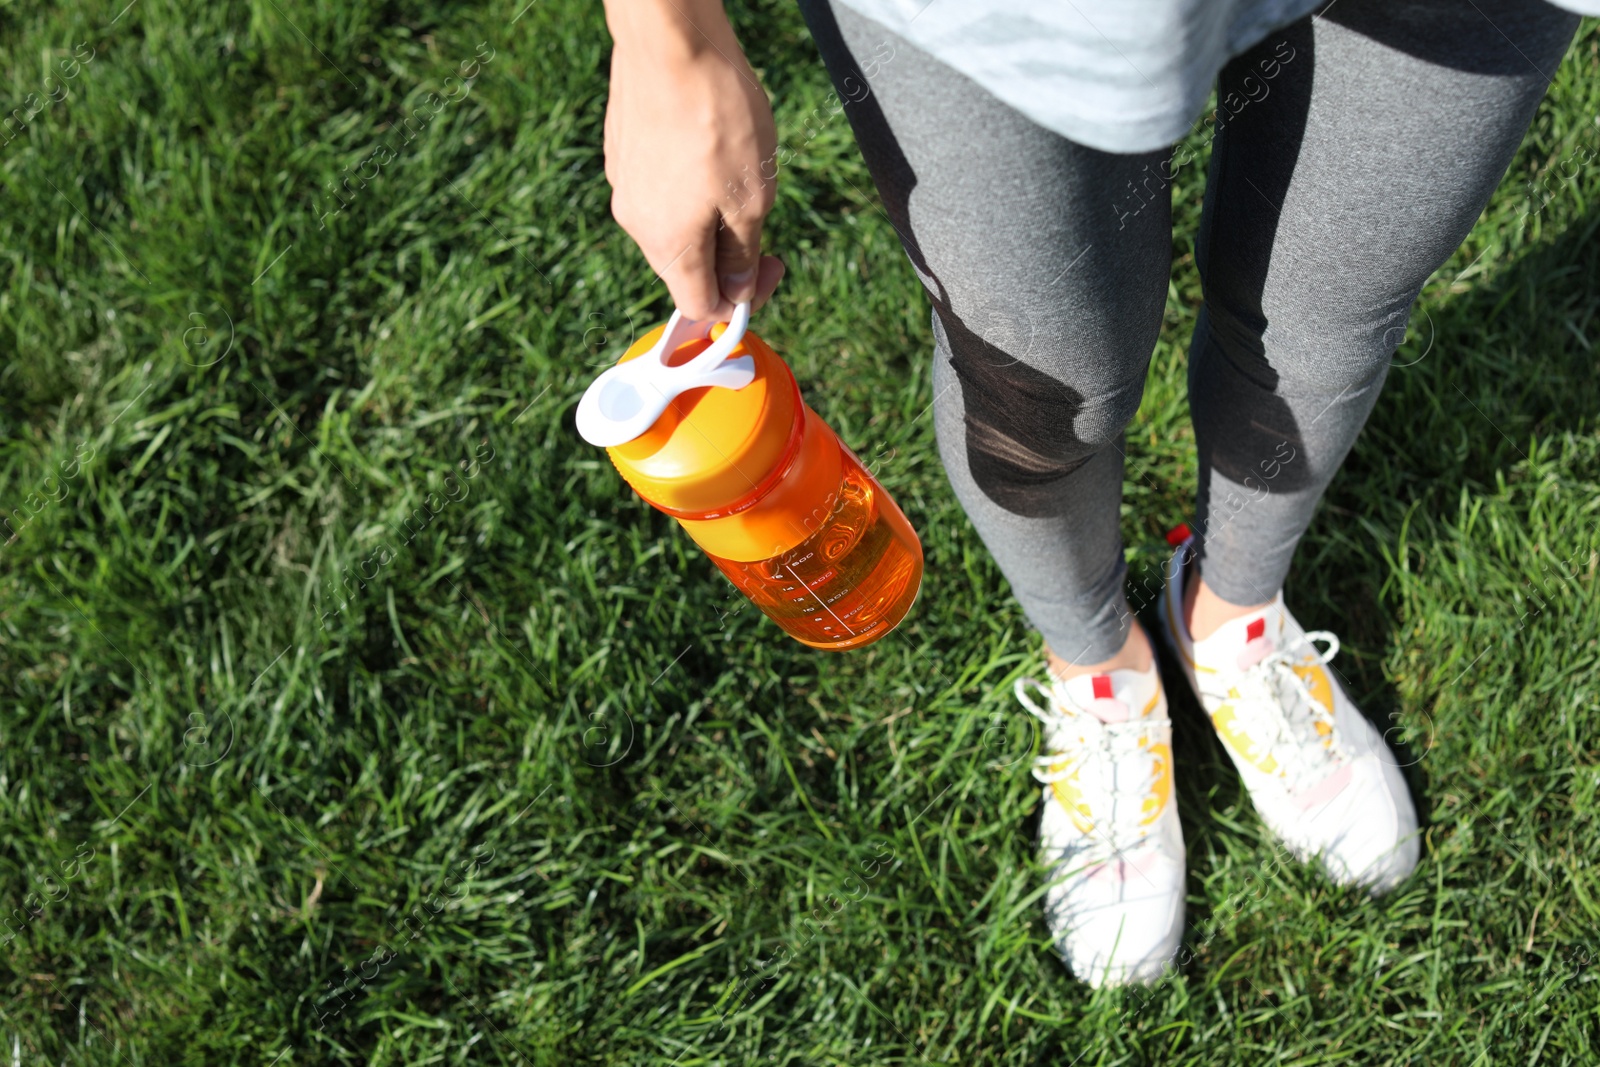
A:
[1505,362]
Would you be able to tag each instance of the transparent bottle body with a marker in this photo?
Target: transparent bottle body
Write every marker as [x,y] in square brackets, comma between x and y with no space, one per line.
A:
[850,582]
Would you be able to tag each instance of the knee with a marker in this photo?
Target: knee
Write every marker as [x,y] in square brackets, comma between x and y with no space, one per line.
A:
[1315,346]
[1031,422]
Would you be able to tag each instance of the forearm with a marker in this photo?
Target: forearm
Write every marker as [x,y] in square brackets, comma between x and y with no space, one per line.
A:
[682,29]
[688,131]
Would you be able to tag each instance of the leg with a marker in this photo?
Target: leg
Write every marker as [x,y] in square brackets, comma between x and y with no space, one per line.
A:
[1342,182]
[1047,298]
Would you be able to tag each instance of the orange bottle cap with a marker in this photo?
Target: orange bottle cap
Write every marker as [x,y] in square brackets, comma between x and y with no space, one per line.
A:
[714,449]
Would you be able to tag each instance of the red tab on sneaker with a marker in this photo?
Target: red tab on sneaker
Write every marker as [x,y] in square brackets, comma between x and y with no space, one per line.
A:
[1257,645]
[1102,687]
[1179,534]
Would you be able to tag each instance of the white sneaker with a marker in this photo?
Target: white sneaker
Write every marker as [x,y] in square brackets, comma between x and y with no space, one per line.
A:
[1109,829]
[1320,775]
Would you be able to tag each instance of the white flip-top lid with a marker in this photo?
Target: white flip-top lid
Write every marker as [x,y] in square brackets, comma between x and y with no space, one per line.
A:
[627,399]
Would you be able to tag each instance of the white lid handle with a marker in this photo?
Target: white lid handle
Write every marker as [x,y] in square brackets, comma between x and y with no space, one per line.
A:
[628,398]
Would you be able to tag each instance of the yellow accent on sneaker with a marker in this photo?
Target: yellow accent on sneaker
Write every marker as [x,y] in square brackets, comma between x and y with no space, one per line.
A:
[1240,742]
[1071,800]
[1321,687]
[1161,788]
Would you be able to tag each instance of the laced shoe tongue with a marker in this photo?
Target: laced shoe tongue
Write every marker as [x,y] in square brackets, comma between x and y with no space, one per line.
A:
[1096,694]
[1257,645]
[1247,640]
[1113,698]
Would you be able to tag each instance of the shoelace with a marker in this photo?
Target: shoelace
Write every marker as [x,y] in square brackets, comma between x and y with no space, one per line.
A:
[1276,706]
[1103,749]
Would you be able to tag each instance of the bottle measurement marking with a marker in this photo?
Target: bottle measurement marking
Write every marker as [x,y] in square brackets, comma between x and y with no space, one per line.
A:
[818,599]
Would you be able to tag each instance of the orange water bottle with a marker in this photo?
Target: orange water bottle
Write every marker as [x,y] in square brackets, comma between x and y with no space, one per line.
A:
[706,423]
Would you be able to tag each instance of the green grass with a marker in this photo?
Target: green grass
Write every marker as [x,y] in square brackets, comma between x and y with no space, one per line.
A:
[529,787]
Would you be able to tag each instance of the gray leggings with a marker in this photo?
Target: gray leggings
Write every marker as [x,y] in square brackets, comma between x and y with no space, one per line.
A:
[1361,146]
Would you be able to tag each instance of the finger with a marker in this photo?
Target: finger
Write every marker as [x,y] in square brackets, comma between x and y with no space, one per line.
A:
[739,248]
[768,275]
[688,266]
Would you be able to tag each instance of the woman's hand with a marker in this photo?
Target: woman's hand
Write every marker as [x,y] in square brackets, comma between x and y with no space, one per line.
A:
[690,153]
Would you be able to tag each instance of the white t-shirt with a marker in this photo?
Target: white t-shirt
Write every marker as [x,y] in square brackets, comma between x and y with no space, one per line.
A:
[1071,65]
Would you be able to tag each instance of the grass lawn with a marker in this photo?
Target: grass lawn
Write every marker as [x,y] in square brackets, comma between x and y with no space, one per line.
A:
[354,712]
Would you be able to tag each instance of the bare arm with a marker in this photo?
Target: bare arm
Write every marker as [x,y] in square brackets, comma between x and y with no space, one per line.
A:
[690,152]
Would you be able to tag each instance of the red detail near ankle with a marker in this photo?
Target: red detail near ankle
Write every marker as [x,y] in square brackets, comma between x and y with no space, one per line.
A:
[1102,687]
[1179,534]
[1257,628]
